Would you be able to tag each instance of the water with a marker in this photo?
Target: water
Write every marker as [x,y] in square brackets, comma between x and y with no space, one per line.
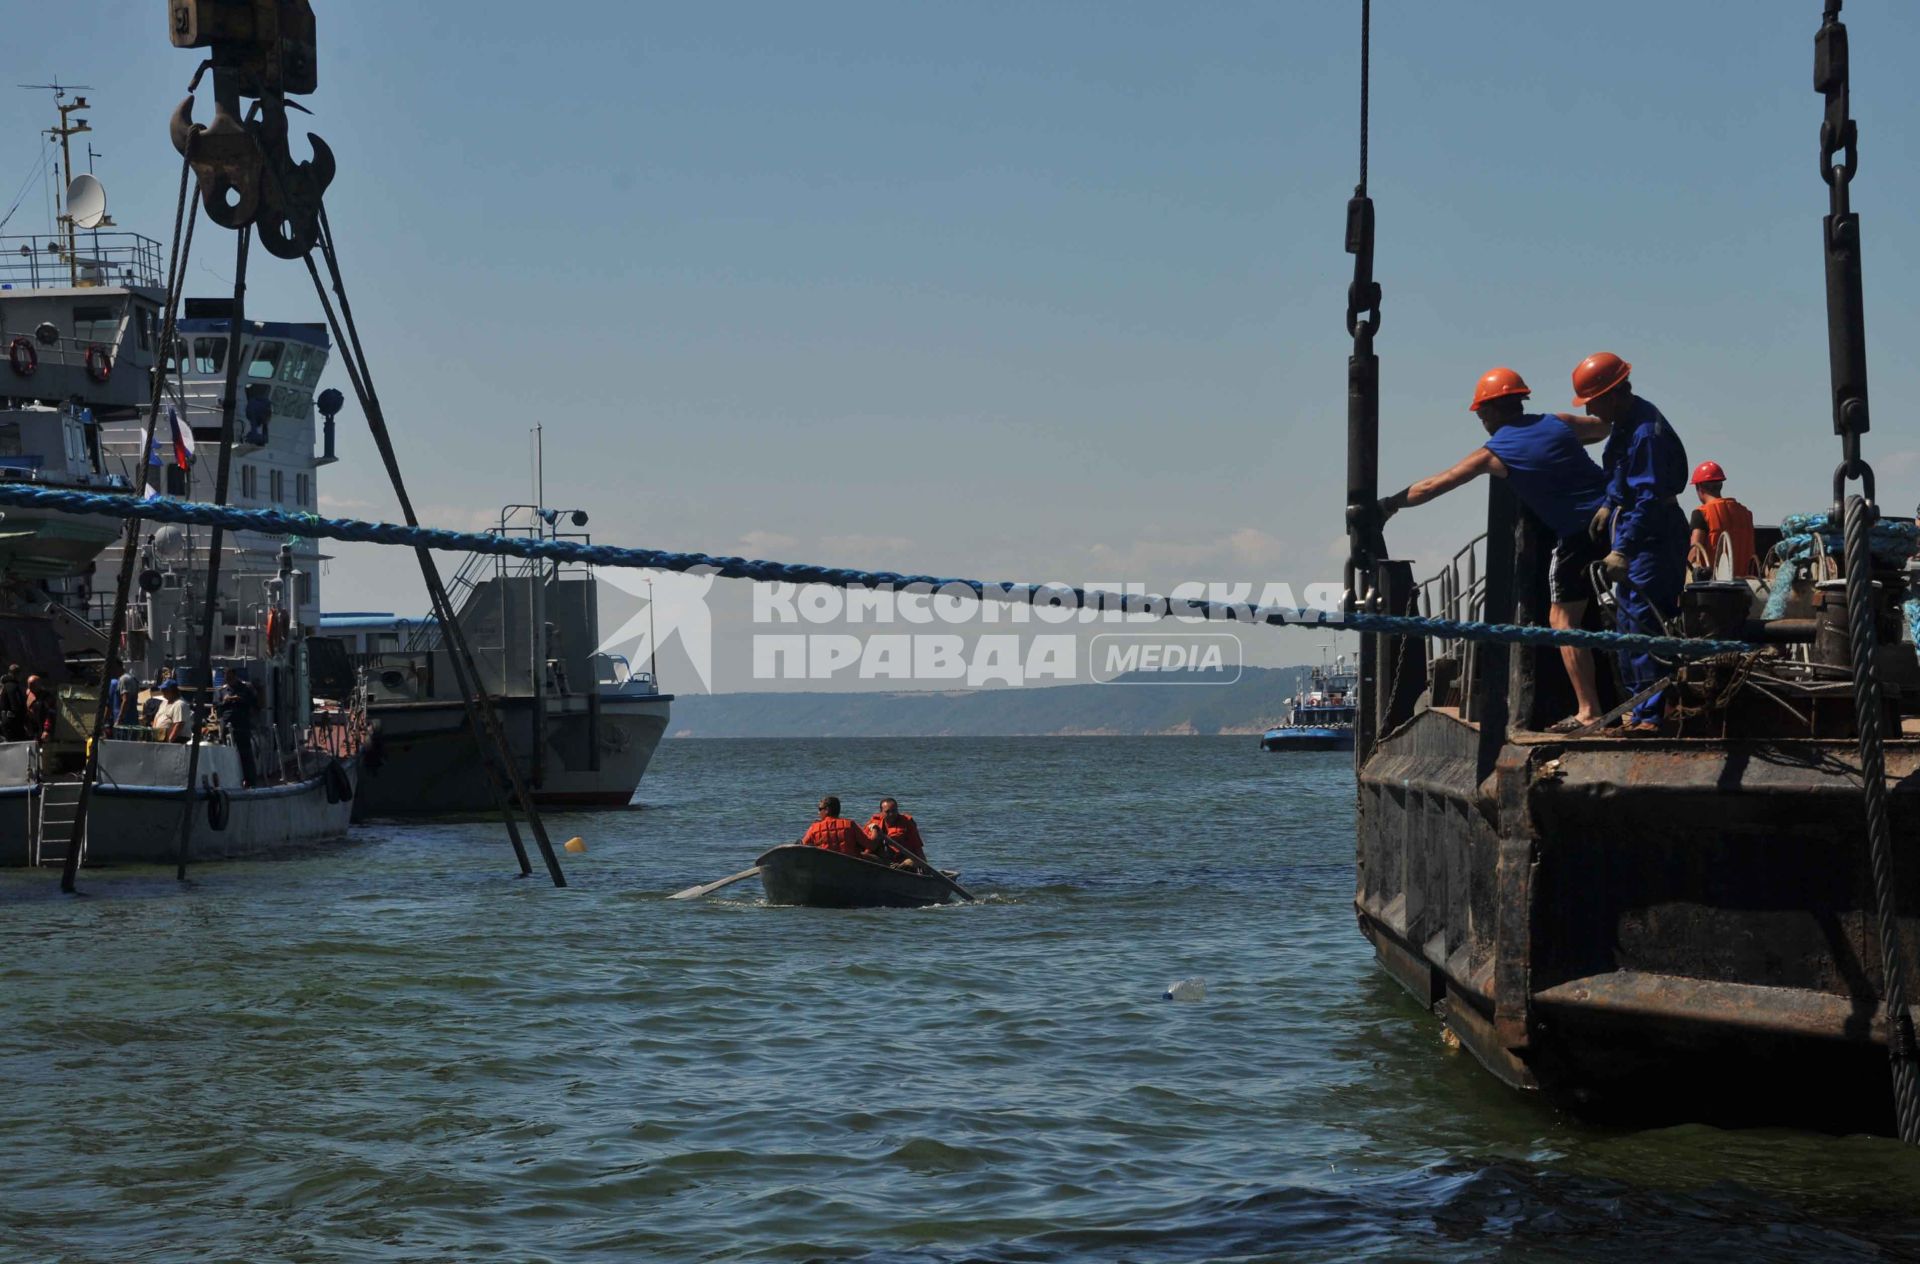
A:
[396,1052]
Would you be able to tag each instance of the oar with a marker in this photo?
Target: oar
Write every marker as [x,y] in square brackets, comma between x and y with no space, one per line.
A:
[709,888]
[961,891]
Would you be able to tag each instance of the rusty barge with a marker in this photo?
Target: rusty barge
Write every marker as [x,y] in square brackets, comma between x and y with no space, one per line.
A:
[1710,923]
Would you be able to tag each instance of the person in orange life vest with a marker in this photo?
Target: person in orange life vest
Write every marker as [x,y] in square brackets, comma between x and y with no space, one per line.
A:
[835,832]
[891,823]
[1719,518]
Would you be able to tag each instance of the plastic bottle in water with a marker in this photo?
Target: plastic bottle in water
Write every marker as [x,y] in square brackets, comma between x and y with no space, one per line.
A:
[1194,989]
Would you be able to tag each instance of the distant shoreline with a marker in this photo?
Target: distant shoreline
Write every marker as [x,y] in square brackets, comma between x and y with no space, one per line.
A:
[1194,706]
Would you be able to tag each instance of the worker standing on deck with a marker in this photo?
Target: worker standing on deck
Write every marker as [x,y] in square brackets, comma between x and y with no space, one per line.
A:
[835,832]
[1543,458]
[1646,468]
[13,706]
[1719,518]
[236,704]
[42,711]
[891,824]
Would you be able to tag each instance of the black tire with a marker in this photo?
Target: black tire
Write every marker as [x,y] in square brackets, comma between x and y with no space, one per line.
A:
[339,784]
[219,808]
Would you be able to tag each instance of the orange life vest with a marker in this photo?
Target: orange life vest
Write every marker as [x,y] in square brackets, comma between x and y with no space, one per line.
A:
[1728,517]
[837,833]
[904,832]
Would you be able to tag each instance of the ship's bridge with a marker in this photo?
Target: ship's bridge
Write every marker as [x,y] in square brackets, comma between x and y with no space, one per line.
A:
[81,323]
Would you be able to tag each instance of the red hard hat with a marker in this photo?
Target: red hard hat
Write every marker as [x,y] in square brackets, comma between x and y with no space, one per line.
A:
[1598,374]
[1496,383]
[1707,472]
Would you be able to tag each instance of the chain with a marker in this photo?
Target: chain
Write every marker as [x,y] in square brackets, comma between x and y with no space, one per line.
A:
[1846,316]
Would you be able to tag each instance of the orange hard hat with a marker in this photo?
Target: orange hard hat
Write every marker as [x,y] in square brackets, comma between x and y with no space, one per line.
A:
[1707,472]
[1496,383]
[1598,374]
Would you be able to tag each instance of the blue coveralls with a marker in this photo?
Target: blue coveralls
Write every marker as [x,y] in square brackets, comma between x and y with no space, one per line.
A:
[1646,468]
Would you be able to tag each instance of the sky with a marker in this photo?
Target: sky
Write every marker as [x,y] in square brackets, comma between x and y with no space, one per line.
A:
[1038,292]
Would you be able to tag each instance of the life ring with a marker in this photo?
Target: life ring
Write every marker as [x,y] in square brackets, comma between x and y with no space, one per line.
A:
[339,784]
[276,632]
[22,356]
[219,808]
[99,362]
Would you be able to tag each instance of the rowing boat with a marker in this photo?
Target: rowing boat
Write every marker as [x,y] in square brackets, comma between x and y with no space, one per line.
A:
[818,878]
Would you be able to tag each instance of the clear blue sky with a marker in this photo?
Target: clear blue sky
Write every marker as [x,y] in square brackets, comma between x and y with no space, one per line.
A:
[1041,291]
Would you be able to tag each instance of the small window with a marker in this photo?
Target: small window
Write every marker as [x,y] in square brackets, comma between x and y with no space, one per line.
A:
[9,438]
[278,488]
[248,484]
[143,329]
[209,355]
[76,435]
[266,359]
[299,489]
[96,324]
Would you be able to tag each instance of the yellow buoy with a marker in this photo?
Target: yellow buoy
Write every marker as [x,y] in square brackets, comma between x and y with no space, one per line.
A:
[576,844]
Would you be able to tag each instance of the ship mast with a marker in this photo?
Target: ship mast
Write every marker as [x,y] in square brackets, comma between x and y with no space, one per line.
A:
[69,128]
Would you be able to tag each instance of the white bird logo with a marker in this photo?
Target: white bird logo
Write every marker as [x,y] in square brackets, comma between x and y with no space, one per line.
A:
[674,603]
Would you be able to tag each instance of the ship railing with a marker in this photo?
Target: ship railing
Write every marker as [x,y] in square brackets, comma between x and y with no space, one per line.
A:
[1458,591]
[41,261]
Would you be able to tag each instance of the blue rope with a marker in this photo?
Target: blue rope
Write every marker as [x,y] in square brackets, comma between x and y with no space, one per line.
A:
[357,531]
[1891,540]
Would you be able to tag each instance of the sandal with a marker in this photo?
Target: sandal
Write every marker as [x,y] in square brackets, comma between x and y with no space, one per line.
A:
[1572,724]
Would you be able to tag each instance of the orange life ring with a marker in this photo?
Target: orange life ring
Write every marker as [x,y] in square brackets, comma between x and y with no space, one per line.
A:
[99,362]
[276,632]
[24,359]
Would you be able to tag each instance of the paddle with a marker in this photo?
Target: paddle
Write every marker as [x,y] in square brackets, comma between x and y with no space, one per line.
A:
[959,890]
[709,888]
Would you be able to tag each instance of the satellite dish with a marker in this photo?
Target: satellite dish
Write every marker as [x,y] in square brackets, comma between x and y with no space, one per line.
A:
[86,201]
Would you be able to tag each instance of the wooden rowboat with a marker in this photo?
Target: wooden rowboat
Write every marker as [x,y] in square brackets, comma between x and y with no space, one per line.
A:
[818,878]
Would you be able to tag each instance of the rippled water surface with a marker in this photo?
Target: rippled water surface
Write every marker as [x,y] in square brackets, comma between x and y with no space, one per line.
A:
[397,1051]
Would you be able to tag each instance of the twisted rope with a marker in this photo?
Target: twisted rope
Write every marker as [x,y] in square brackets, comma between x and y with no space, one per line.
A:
[358,531]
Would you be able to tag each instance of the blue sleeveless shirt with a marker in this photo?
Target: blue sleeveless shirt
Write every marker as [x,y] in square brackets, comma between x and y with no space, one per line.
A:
[1550,471]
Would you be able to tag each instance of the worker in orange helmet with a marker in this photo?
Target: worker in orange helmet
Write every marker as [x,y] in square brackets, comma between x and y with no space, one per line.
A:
[1720,523]
[1646,469]
[1543,458]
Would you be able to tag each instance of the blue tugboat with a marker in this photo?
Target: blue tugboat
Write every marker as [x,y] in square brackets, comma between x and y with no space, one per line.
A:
[1322,717]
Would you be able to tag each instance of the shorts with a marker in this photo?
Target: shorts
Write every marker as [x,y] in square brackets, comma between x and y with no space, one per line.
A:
[1568,577]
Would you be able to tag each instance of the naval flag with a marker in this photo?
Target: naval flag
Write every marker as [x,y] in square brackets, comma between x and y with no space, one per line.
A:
[182,438]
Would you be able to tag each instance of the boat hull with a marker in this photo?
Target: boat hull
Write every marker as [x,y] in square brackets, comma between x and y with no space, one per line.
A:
[818,878]
[1647,930]
[1307,739]
[134,815]
[426,761]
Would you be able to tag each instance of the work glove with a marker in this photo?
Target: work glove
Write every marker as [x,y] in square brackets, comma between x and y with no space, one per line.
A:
[1602,519]
[1614,567]
[1387,506]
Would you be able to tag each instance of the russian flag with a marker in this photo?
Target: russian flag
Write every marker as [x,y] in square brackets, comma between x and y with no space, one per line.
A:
[182,438]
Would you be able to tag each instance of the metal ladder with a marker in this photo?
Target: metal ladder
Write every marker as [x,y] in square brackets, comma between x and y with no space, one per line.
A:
[56,806]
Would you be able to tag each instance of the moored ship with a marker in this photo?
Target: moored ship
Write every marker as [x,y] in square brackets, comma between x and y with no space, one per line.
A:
[81,314]
[534,627]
